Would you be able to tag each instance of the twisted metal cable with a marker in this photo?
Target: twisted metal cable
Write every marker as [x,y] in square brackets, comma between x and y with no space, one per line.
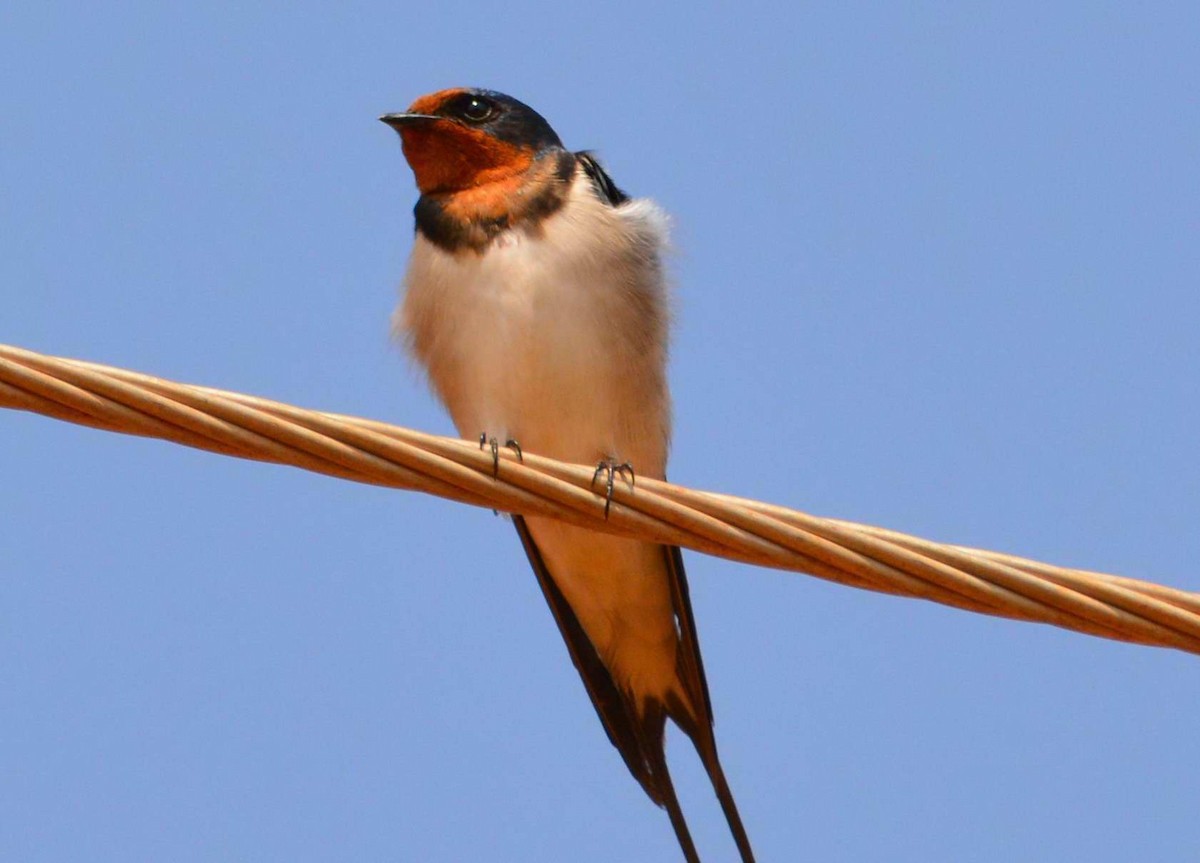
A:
[749,531]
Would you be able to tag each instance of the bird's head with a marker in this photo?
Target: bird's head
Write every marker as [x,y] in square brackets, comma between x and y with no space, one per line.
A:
[460,139]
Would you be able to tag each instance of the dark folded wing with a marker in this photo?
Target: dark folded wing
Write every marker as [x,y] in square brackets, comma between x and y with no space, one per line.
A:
[616,714]
[606,189]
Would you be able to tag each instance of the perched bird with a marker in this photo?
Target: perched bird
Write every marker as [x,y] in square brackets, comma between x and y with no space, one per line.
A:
[536,301]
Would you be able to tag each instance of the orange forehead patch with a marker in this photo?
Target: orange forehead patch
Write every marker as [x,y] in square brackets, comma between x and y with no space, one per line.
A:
[430,103]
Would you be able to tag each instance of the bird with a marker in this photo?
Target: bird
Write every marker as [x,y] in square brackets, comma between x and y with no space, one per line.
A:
[536,301]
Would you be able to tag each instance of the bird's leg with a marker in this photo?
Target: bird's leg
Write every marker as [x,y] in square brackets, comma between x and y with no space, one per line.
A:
[613,469]
[484,440]
[491,440]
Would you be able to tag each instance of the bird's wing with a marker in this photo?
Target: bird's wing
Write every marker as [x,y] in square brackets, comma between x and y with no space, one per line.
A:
[691,670]
[614,709]
[639,739]
[606,189]
[690,665]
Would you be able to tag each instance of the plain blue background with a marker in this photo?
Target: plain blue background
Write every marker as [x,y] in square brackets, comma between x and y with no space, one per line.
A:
[937,270]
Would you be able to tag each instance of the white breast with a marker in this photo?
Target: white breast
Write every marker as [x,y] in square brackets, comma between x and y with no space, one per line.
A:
[555,336]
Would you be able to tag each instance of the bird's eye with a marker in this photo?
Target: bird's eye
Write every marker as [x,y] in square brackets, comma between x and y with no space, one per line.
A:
[476,110]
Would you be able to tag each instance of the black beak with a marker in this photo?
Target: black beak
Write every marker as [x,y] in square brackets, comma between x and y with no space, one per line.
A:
[399,121]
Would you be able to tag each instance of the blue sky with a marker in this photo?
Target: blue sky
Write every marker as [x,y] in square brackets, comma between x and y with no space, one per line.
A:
[936,269]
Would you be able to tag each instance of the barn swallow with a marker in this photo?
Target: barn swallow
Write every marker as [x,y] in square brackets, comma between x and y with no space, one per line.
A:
[536,301]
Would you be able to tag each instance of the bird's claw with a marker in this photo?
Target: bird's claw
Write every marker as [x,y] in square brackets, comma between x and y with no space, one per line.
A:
[494,443]
[613,469]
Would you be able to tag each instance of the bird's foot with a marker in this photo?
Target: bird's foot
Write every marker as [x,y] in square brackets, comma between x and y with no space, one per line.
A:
[491,441]
[610,467]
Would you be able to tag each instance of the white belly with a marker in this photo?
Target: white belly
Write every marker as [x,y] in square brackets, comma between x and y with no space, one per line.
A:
[555,338]
[532,361]
[558,340]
